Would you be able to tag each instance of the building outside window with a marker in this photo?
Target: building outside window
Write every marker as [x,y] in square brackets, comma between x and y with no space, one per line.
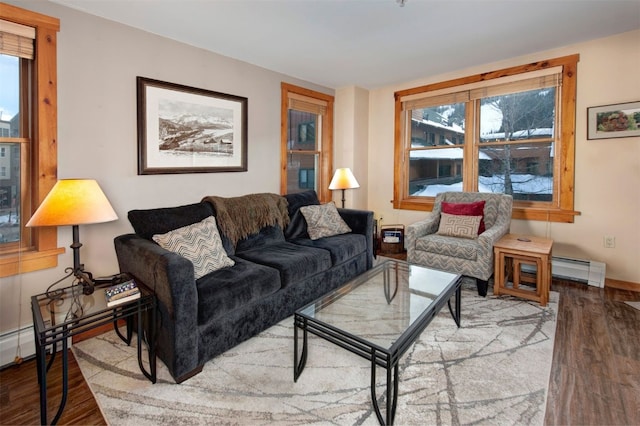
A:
[15,140]
[306,179]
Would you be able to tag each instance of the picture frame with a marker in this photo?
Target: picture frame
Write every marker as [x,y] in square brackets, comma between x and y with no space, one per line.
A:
[184,129]
[613,121]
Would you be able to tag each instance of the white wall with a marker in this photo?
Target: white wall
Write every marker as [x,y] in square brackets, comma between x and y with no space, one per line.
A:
[607,172]
[98,61]
[351,140]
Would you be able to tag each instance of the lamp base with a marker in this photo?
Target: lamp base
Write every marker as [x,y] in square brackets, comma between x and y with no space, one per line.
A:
[85,279]
[88,283]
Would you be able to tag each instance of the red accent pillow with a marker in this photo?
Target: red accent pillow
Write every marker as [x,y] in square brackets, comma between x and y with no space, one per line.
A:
[466,209]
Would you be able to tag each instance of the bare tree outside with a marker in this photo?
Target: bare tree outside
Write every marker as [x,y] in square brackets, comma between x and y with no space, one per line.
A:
[526,116]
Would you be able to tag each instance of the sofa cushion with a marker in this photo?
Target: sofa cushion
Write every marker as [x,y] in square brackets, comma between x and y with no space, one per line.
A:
[297,227]
[461,226]
[462,248]
[200,243]
[224,290]
[475,208]
[324,221]
[342,247]
[294,262]
[150,222]
[267,235]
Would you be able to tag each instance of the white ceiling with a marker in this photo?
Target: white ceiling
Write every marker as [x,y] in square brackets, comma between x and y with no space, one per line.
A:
[371,43]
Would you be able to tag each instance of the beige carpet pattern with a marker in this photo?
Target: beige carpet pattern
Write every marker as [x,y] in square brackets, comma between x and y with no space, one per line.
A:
[493,370]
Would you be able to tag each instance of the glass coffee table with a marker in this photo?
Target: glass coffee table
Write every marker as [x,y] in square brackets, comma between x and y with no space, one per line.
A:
[378,315]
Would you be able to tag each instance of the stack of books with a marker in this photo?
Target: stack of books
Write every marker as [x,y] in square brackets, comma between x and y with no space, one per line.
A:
[121,293]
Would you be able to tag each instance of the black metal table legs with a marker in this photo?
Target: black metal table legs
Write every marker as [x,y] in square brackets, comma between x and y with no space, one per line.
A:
[391,394]
[151,347]
[456,314]
[146,333]
[42,368]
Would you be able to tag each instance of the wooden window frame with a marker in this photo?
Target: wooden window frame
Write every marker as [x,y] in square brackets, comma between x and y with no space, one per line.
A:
[563,210]
[42,251]
[326,147]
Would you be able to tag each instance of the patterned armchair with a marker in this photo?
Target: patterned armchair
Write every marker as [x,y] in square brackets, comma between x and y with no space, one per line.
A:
[470,257]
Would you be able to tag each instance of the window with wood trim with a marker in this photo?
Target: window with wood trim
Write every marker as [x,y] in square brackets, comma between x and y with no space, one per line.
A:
[29,137]
[510,131]
[306,141]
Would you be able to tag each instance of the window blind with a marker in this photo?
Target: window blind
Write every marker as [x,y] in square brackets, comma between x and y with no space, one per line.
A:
[551,77]
[448,99]
[537,83]
[306,104]
[16,39]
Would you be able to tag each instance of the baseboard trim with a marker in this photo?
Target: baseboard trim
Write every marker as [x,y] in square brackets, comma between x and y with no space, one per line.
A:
[9,345]
[622,285]
[9,342]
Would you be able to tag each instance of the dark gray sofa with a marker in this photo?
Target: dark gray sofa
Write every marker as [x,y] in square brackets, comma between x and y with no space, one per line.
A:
[276,271]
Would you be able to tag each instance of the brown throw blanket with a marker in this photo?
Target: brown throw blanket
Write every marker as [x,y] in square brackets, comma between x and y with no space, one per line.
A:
[239,217]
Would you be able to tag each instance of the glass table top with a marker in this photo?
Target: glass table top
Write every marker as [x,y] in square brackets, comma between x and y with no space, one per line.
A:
[70,307]
[384,302]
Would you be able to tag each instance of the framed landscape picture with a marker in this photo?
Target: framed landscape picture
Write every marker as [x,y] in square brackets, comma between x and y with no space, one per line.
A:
[183,129]
[613,121]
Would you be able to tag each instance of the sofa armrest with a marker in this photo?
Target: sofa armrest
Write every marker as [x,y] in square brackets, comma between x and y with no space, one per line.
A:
[171,277]
[429,225]
[360,222]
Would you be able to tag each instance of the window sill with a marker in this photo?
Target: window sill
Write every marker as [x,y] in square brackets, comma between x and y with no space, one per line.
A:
[518,213]
[542,214]
[13,264]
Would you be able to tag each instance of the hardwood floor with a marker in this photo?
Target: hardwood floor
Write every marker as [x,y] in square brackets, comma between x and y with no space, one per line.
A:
[20,397]
[595,375]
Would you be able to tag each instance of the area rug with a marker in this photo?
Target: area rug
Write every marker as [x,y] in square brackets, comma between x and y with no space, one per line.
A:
[493,370]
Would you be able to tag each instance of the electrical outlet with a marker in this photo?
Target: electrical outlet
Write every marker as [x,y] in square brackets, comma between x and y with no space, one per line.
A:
[609,241]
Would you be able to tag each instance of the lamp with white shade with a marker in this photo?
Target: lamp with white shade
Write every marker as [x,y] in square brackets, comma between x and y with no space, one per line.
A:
[74,202]
[343,179]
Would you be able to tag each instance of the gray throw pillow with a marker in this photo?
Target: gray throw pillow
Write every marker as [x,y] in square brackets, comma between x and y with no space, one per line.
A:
[324,221]
[200,243]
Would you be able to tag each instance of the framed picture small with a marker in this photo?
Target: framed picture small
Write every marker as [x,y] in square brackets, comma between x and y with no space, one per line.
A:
[183,129]
[613,121]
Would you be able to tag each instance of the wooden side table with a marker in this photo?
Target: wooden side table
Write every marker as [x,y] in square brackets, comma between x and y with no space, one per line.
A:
[511,252]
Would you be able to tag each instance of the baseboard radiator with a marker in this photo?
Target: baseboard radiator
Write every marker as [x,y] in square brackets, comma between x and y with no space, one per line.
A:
[9,345]
[585,271]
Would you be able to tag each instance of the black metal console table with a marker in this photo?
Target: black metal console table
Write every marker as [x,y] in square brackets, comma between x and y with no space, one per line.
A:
[61,314]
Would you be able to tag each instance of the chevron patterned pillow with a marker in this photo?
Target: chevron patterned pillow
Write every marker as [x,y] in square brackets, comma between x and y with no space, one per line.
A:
[453,225]
[200,243]
[324,221]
